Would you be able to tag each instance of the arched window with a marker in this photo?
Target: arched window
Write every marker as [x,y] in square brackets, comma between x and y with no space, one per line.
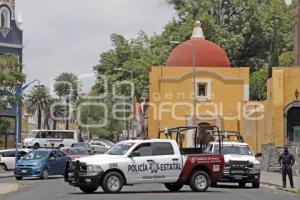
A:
[5,17]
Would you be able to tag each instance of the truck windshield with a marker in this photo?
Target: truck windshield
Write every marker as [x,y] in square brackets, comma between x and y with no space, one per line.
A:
[119,149]
[36,155]
[235,149]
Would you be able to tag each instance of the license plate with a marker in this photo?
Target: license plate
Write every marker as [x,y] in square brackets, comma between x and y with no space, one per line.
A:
[88,180]
[24,171]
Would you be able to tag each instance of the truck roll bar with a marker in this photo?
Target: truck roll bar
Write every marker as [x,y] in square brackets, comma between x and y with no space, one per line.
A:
[212,131]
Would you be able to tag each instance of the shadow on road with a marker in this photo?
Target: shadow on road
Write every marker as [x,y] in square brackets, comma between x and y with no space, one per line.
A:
[145,192]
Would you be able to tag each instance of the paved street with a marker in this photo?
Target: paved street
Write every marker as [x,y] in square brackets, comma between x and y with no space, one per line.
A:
[57,188]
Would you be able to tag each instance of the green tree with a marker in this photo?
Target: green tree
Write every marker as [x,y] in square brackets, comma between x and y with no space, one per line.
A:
[258,84]
[286,59]
[58,111]
[5,125]
[39,101]
[11,77]
[66,87]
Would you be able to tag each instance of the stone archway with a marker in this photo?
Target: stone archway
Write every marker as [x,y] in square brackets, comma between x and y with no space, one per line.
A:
[204,137]
[292,120]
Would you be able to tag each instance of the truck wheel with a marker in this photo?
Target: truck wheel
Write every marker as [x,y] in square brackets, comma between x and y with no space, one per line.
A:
[173,187]
[88,190]
[45,174]
[112,182]
[199,181]
[18,178]
[256,184]
[242,184]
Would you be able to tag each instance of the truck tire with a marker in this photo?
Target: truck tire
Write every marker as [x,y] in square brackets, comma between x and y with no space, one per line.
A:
[173,187]
[88,190]
[112,182]
[242,184]
[256,184]
[199,181]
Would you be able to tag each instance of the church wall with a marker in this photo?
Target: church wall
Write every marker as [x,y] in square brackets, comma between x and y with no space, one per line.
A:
[172,86]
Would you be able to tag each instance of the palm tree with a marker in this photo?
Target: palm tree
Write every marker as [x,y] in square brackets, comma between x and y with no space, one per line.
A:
[58,111]
[39,101]
[66,87]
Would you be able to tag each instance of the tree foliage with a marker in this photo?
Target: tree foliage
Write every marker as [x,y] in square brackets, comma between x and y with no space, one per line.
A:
[253,33]
[258,84]
[39,102]
[11,78]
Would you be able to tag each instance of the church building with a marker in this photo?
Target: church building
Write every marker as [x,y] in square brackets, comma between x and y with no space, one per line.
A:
[198,86]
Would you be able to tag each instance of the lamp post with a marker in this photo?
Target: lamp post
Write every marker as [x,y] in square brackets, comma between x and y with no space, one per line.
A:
[132,109]
[19,94]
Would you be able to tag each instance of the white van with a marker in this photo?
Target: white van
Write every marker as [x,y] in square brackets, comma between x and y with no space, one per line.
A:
[51,138]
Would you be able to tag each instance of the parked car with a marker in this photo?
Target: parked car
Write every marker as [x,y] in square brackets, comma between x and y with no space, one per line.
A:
[241,166]
[8,160]
[145,161]
[41,163]
[75,152]
[99,146]
[84,145]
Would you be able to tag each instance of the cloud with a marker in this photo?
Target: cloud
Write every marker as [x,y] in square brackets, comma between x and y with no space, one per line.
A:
[69,35]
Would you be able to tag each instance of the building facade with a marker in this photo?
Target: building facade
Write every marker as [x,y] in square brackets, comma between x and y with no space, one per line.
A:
[11,42]
[197,86]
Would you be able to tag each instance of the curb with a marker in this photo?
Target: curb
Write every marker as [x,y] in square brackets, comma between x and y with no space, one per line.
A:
[279,187]
[13,187]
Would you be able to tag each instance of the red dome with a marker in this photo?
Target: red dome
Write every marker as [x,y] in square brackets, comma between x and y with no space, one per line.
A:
[207,54]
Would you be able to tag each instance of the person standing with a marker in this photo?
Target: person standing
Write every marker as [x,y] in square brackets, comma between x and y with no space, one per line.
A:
[286,161]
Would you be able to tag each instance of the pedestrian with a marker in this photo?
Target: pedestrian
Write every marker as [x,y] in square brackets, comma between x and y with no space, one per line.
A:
[286,161]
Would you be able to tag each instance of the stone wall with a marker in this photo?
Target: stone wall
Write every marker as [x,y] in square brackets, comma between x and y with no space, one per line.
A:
[270,155]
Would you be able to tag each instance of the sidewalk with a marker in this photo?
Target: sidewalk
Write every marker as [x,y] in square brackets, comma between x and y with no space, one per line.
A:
[7,174]
[6,188]
[275,179]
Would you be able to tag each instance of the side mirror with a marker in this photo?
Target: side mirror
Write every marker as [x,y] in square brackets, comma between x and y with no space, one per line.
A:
[258,155]
[135,154]
[52,158]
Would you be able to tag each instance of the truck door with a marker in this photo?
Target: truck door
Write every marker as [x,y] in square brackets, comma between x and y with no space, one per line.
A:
[169,162]
[138,169]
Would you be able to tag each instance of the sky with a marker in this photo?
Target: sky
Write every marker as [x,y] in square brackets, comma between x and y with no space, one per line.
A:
[69,35]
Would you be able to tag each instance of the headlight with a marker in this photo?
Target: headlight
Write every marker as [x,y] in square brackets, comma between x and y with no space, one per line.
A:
[257,166]
[94,168]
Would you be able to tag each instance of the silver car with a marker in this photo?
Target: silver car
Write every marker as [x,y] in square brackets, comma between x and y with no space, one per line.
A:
[99,146]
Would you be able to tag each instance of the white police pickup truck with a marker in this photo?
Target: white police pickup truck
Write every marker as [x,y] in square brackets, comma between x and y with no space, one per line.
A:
[141,162]
[241,166]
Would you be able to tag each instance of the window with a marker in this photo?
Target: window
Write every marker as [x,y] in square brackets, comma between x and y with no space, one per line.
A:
[52,154]
[10,154]
[144,149]
[61,154]
[202,89]
[5,17]
[162,148]
[49,134]
[69,135]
